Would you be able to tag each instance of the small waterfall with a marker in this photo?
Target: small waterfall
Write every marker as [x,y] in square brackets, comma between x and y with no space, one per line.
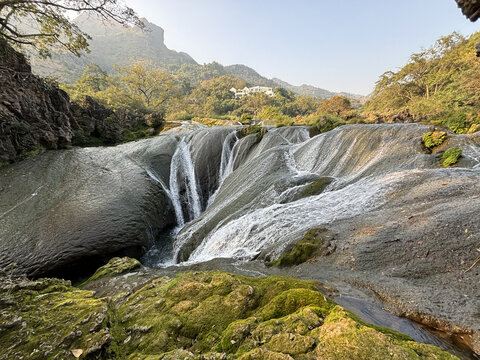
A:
[183,185]
[226,163]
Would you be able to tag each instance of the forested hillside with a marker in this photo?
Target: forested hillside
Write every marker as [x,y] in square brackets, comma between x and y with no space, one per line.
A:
[112,44]
[439,84]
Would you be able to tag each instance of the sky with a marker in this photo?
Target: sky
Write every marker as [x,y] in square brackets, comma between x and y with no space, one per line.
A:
[335,45]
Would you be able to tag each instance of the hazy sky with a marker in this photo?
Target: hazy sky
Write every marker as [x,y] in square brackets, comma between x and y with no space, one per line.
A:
[336,45]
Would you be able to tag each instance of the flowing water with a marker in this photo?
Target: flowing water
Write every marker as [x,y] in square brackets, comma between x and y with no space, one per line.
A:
[196,193]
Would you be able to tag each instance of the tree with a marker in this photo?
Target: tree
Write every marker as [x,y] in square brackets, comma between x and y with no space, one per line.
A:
[337,105]
[93,79]
[153,87]
[46,23]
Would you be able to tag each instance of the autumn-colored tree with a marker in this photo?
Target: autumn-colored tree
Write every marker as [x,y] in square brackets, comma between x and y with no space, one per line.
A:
[337,105]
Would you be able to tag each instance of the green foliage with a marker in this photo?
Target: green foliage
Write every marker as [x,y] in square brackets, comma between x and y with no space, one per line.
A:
[50,24]
[253,129]
[141,131]
[246,118]
[34,152]
[323,123]
[275,114]
[142,87]
[434,138]
[443,79]
[458,124]
[337,105]
[304,249]
[450,157]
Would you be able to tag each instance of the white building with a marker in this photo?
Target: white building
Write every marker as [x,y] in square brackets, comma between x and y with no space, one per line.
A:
[256,89]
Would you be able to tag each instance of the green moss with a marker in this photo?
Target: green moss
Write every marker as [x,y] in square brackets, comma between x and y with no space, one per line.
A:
[34,152]
[202,315]
[341,337]
[310,246]
[316,187]
[115,266]
[4,164]
[450,157]
[48,318]
[433,139]
[249,130]
[141,131]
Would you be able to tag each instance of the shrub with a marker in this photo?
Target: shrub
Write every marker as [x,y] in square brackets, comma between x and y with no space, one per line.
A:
[246,118]
[324,123]
[451,156]
[180,115]
[458,124]
[433,139]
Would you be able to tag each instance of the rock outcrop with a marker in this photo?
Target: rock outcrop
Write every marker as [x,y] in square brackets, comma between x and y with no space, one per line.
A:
[203,315]
[66,212]
[470,8]
[35,115]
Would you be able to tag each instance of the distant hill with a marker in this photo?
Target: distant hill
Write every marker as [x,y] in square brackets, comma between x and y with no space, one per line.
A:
[113,44]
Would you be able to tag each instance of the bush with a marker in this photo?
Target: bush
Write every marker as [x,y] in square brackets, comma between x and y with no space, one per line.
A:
[246,118]
[458,124]
[273,113]
[451,156]
[324,123]
[179,116]
[433,139]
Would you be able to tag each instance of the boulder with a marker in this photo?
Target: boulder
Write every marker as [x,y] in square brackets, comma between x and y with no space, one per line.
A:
[67,212]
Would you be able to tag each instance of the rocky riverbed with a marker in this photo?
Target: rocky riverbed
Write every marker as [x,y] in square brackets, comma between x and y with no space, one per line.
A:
[384,222]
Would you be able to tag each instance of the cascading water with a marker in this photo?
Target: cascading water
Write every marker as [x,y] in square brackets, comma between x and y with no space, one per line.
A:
[226,163]
[260,207]
[183,186]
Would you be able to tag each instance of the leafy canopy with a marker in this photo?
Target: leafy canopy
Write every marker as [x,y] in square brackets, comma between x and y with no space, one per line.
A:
[49,22]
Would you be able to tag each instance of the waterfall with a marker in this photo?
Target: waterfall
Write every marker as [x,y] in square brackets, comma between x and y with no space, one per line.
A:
[226,163]
[183,185]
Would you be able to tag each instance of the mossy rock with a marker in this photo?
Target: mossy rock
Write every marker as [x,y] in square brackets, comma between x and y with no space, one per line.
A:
[433,139]
[450,156]
[316,242]
[316,187]
[115,266]
[48,318]
[253,129]
[202,315]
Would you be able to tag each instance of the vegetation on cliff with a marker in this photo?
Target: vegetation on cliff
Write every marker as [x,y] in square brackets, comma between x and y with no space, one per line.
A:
[203,315]
[450,156]
[440,84]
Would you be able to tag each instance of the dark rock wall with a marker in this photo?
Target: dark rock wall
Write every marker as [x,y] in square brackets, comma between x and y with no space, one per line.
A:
[33,113]
[36,115]
[470,8]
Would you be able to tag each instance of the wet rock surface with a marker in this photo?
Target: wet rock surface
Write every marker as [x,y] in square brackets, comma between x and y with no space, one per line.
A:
[68,212]
[400,228]
[199,315]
